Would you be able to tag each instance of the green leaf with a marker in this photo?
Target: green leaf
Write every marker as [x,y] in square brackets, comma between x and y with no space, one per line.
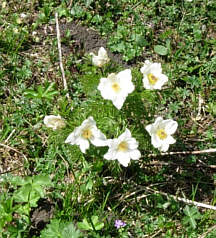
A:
[160,49]
[97,224]
[42,180]
[22,194]
[52,230]
[69,231]
[57,229]
[191,215]
[22,209]
[88,2]
[84,225]
[17,180]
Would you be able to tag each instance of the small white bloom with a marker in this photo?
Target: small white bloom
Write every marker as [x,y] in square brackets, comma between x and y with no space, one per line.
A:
[4,4]
[88,131]
[152,75]
[15,30]
[116,87]
[161,131]
[23,15]
[54,122]
[100,59]
[124,148]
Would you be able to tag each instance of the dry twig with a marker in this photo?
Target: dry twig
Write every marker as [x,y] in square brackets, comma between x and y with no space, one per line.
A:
[195,152]
[161,163]
[185,200]
[15,150]
[60,55]
[208,231]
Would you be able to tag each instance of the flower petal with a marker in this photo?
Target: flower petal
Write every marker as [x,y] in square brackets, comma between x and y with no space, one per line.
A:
[84,145]
[170,126]
[164,147]
[135,154]
[169,140]
[110,155]
[156,142]
[102,52]
[71,139]
[149,128]
[98,139]
[123,158]
[118,102]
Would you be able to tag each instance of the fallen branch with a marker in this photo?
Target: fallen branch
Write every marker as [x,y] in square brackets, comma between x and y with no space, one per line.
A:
[11,170]
[15,150]
[195,152]
[60,55]
[185,200]
[161,163]
[11,148]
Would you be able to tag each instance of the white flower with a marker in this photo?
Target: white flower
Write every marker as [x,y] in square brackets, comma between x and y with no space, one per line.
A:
[23,15]
[161,131]
[123,149]
[4,4]
[100,59]
[85,133]
[54,122]
[152,75]
[116,87]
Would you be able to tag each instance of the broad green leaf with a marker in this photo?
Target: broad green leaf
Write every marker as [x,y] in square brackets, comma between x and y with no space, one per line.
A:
[33,198]
[39,190]
[97,224]
[160,49]
[22,194]
[42,180]
[84,225]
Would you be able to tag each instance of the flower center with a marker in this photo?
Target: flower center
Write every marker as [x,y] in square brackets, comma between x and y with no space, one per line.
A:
[152,79]
[86,133]
[116,88]
[123,146]
[161,134]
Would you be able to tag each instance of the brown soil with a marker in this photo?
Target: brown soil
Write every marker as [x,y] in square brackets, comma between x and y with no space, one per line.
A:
[41,216]
[86,40]
[89,40]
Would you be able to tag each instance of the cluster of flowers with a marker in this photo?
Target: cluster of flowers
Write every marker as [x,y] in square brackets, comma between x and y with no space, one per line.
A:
[116,88]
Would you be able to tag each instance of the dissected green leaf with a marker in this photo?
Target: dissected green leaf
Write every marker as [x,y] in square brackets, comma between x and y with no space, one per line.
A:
[58,229]
[160,49]
[192,214]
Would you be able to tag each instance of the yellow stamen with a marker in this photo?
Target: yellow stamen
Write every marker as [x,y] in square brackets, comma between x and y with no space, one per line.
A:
[152,79]
[123,146]
[87,134]
[161,134]
[116,88]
